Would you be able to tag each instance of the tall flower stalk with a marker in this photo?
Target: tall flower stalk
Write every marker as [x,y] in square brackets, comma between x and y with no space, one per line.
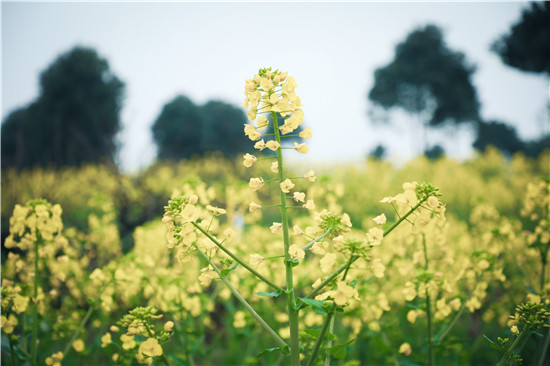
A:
[272,101]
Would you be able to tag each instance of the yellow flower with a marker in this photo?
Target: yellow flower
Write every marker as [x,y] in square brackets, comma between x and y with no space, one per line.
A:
[128,341]
[168,326]
[8,324]
[275,227]
[378,268]
[301,148]
[20,303]
[405,349]
[262,122]
[238,319]
[151,348]
[256,260]
[380,219]
[306,134]
[514,329]
[409,291]
[411,316]
[328,262]
[266,84]
[296,230]
[296,252]
[216,211]
[254,207]
[256,183]
[251,132]
[299,196]
[55,359]
[433,202]
[260,145]
[310,176]
[375,236]
[286,185]
[249,160]
[346,220]
[78,345]
[275,167]
[207,275]
[106,340]
[310,205]
[272,145]
[344,293]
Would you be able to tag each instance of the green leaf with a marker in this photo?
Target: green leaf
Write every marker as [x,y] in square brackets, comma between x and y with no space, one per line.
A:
[314,333]
[284,349]
[339,351]
[493,344]
[269,294]
[316,305]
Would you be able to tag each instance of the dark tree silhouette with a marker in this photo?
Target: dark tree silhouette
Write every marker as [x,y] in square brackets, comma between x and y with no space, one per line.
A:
[527,45]
[498,134]
[178,130]
[184,129]
[427,80]
[74,119]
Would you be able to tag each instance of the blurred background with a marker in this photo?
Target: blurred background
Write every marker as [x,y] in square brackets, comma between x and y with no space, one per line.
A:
[130,83]
[110,106]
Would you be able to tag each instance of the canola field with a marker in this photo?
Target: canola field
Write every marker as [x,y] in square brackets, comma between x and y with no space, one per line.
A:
[112,295]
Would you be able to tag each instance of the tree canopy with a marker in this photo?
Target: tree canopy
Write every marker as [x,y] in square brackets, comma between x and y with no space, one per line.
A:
[184,129]
[74,119]
[428,79]
[527,45]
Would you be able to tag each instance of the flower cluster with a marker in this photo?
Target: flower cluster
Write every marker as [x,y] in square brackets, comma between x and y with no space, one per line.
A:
[139,324]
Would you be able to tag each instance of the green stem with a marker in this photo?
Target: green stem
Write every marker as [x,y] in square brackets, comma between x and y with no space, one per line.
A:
[321,336]
[328,357]
[431,355]
[12,351]
[78,330]
[544,348]
[544,259]
[243,302]
[34,338]
[291,300]
[238,260]
[510,349]
[343,267]
[310,244]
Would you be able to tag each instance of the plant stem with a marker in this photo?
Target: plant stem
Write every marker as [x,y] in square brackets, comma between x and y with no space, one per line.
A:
[510,349]
[243,302]
[310,244]
[12,351]
[292,311]
[328,357]
[431,355]
[343,267]
[34,338]
[238,260]
[78,330]
[321,336]
[544,348]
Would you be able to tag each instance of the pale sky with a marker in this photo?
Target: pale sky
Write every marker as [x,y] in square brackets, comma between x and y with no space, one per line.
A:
[206,51]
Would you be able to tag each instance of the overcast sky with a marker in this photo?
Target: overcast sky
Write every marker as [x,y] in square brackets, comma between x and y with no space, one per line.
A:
[206,51]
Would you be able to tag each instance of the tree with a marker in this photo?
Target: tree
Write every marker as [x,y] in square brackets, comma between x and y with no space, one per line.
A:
[184,129]
[527,45]
[177,131]
[74,119]
[498,134]
[428,80]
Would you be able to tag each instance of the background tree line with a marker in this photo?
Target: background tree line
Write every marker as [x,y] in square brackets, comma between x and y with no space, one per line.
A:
[76,117]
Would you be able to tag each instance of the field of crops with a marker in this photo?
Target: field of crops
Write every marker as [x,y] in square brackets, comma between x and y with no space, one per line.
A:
[211,262]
